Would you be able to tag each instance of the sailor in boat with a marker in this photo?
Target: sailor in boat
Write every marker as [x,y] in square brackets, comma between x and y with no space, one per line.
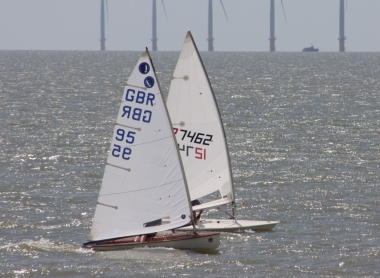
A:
[196,203]
[143,238]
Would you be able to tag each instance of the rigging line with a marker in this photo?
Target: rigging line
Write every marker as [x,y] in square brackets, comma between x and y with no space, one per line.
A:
[137,190]
[232,217]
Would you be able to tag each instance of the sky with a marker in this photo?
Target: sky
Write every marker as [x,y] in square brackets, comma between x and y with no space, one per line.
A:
[75,25]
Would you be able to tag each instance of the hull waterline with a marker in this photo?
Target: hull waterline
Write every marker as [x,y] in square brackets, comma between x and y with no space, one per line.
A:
[230,225]
[206,241]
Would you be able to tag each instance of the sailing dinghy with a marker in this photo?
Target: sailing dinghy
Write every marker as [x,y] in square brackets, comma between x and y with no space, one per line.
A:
[144,187]
[202,142]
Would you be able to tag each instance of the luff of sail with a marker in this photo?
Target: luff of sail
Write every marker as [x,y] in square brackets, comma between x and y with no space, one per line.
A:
[143,181]
[199,129]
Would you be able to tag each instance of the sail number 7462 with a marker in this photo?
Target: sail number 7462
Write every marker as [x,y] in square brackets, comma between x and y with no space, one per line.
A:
[194,137]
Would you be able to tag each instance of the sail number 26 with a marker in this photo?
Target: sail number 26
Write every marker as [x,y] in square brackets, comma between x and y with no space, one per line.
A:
[123,136]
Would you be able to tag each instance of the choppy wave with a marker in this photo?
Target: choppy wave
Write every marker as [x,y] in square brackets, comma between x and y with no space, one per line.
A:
[303,138]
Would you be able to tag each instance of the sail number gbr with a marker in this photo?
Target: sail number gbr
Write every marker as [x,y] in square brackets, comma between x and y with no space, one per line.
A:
[194,137]
[123,136]
[138,114]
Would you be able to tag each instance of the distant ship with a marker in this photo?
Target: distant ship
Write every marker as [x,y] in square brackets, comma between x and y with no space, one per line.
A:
[310,49]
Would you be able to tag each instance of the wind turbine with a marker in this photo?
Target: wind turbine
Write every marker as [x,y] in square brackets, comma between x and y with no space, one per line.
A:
[210,27]
[341,38]
[272,37]
[102,25]
[154,24]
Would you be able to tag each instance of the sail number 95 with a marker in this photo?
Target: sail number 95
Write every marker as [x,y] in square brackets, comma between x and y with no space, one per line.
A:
[124,152]
[194,137]
[129,136]
[123,136]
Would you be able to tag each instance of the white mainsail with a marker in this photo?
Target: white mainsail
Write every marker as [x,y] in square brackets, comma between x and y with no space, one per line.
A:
[143,182]
[199,129]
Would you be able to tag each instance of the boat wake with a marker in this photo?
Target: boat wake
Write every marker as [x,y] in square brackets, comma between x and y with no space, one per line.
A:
[43,245]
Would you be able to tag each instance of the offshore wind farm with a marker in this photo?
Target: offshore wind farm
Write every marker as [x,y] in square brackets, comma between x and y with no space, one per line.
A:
[330,25]
[210,29]
[210,38]
[341,38]
[272,37]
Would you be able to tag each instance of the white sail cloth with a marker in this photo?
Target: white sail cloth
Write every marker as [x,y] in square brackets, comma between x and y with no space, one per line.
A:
[199,129]
[143,181]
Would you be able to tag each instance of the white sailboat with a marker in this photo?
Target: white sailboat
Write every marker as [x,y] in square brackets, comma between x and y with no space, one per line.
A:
[202,142]
[144,188]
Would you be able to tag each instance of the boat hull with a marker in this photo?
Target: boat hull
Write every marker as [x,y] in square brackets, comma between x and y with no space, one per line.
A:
[230,225]
[207,241]
[310,49]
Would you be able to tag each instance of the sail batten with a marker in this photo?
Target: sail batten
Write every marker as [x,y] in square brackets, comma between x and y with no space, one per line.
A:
[132,127]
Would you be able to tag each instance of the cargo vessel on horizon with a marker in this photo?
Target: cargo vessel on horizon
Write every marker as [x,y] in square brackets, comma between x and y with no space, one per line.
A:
[310,49]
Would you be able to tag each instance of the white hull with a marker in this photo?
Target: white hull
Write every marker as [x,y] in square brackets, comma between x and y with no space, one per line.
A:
[229,225]
[207,241]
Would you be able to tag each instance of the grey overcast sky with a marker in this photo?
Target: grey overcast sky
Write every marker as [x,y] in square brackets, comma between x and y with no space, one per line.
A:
[75,25]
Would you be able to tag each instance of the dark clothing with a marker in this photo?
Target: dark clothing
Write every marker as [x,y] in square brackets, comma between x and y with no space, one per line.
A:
[195,203]
[153,223]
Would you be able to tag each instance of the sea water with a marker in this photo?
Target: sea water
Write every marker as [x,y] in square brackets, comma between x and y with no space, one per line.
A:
[303,134]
